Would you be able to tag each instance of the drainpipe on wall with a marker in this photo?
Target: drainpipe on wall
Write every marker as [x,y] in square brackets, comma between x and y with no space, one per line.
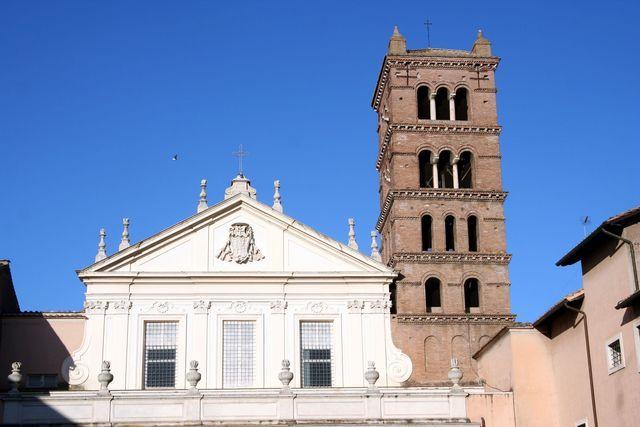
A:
[633,256]
[588,348]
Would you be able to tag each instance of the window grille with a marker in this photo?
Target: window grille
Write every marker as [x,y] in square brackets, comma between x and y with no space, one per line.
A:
[160,351]
[615,354]
[316,354]
[239,355]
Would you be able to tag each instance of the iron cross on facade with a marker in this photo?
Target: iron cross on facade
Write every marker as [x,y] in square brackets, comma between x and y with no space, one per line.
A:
[478,78]
[407,75]
[240,154]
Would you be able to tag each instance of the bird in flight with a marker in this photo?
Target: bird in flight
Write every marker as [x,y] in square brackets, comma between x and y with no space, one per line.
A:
[175,157]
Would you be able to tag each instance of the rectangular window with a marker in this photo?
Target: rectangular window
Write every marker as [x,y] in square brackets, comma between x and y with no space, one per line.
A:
[615,357]
[239,353]
[160,350]
[316,354]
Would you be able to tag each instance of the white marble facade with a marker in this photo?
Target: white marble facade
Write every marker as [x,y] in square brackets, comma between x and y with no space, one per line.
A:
[272,270]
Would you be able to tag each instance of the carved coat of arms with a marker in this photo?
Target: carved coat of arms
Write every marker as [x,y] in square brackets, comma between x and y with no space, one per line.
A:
[241,246]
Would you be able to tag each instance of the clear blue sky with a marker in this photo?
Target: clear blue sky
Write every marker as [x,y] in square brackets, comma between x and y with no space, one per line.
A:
[95,97]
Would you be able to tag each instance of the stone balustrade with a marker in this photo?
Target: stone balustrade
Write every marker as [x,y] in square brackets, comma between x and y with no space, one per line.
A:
[420,407]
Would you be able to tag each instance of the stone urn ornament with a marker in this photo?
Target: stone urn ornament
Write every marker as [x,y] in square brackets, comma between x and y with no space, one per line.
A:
[455,374]
[104,378]
[371,375]
[285,376]
[15,377]
[193,377]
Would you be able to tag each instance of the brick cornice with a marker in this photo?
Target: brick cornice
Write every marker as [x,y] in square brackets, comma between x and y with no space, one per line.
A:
[454,318]
[447,127]
[436,194]
[444,62]
[449,257]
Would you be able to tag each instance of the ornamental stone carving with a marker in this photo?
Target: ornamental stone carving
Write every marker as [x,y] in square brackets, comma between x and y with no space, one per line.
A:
[121,306]
[201,306]
[160,306]
[278,306]
[95,307]
[355,306]
[239,306]
[317,307]
[241,246]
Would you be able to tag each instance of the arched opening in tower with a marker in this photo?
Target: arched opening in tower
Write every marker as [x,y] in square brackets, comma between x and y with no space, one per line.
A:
[424,106]
[442,104]
[462,104]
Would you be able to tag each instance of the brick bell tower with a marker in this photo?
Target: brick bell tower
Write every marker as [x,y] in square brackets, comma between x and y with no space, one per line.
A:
[442,204]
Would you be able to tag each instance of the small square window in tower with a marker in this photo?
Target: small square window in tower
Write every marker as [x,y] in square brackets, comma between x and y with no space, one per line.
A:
[316,354]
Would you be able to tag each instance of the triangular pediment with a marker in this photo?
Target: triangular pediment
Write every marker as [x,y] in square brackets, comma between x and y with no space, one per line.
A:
[237,235]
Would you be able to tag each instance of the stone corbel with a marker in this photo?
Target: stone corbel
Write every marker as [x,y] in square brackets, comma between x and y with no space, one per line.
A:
[201,307]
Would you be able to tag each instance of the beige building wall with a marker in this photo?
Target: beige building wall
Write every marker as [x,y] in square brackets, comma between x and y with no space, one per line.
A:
[607,279]
[519,361]
[41,341]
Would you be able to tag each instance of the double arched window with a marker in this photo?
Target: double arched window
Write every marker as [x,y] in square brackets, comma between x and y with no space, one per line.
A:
[445,170]
[441,105]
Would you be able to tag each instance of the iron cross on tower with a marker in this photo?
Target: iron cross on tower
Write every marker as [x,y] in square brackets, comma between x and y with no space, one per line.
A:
[240,154]
[478,78]
[428,25]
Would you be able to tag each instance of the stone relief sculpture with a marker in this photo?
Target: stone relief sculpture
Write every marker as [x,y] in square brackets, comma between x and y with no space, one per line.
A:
[241,246]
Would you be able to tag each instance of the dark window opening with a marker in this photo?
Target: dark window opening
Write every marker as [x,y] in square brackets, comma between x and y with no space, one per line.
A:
[432,294]
[442,104]
[471,295]
[449,230]
[427,237]
[426,170]
[424,106]
[392,295]
[472,231]
[462,104]
[445,170]
[465,176]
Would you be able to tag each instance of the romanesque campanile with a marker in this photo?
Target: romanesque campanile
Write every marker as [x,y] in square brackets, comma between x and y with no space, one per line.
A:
[442,203]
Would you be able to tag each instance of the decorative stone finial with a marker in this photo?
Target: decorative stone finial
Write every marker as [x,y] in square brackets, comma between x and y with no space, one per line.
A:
[455,374]
[202,203]
[482,46]
[193,377]
[240,185]
[102,253]
[277,203]
[124,242]
[375,253]
[352,234]
[15,377]
[371,375]
[285,376]
[397,43]
[104,378]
